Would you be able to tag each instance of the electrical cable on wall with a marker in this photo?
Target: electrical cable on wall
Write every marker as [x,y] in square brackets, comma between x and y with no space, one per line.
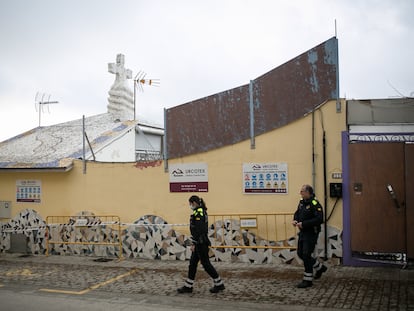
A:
[333,209]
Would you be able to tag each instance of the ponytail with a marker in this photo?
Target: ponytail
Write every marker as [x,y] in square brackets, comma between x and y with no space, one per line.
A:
[203,204]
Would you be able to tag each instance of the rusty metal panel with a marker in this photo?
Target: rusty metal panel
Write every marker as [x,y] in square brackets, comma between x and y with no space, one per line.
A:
[208,123]
[295,88]
[280,96]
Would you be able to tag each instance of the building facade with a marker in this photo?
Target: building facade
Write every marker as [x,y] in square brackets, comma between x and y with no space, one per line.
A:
[247,154]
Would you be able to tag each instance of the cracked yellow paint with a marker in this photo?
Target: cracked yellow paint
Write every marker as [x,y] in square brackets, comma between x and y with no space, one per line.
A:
[87,290]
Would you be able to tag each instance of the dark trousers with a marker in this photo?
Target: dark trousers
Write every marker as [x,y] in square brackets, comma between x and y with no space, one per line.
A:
[306,246]
[201,254]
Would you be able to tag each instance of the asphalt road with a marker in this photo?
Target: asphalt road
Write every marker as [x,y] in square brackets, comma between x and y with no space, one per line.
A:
[30,299]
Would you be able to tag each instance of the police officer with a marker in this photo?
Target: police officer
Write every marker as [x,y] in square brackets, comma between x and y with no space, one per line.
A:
[308,218]
[200,247]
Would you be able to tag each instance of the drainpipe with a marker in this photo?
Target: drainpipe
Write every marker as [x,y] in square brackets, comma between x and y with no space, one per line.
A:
[325,197]
[313,151]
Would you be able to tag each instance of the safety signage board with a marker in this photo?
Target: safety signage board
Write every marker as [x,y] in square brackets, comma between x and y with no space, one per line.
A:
[263,178]
[29,191]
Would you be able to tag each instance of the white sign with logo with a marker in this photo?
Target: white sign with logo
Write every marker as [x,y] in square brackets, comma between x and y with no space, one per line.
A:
[248,222]
[189,177]
[265,178]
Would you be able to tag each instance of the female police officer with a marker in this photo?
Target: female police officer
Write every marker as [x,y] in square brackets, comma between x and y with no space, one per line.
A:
[200,247]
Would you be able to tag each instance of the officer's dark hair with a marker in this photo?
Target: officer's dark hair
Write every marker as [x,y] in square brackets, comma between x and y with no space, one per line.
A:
[309,189]
[198,200]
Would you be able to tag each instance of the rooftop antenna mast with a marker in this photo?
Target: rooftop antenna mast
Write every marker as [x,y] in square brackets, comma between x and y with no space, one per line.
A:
[139,81]
[42,100]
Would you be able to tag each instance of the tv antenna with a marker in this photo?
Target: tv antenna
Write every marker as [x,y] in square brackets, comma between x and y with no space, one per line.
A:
[396,90]
[42,100]
[139,81]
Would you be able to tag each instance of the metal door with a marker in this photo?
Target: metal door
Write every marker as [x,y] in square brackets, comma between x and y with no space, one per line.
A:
[377,197]
[409,186]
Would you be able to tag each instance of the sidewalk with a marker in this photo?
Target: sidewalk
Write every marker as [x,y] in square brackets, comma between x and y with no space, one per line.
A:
[268,285]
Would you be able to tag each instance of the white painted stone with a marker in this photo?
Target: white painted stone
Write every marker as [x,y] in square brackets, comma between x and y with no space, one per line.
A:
[121,105]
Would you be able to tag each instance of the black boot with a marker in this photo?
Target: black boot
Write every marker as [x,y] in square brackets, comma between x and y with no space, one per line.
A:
[304,284]
[216,288]
[318,273]
[185,289]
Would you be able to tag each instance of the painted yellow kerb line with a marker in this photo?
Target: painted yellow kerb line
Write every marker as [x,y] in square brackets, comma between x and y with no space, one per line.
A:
[82,292]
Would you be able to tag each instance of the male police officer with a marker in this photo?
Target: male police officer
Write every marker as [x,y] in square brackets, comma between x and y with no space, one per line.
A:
[308,218]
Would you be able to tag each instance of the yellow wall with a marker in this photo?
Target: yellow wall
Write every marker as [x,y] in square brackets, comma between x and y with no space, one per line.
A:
[130,192]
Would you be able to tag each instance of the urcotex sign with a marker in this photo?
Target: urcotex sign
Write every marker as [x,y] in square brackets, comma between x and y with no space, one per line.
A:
[191,177]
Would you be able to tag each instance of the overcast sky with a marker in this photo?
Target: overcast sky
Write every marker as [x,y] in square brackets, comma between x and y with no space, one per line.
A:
[196,49]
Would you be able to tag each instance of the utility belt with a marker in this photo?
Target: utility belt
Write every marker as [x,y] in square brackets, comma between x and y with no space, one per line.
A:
[314,230]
